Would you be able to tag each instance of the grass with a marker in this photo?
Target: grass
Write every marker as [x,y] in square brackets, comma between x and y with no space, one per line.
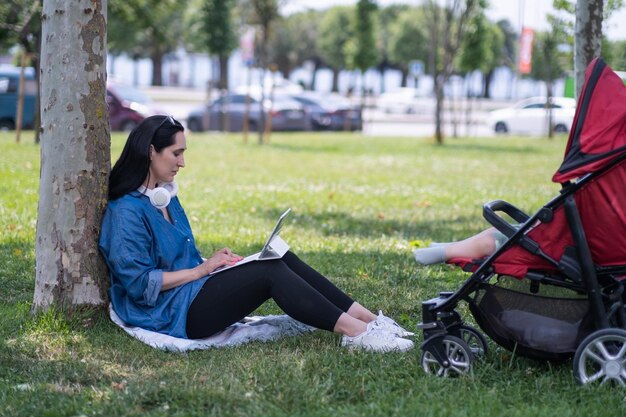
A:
[360,204]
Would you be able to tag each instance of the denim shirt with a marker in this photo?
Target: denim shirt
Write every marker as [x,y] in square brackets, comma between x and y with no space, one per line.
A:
[138,245]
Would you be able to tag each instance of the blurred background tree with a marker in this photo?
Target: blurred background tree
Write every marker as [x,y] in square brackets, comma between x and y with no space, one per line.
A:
[477,54]
[264,15]
[281,49]
[451,37]
[582,20]
[407,41]
[147,29]
[218,34]
[361,49]
[447,27]
[20,24]
[294,44]
[477,47]
[550,62]
[506,56]
[387,16]
[332,40]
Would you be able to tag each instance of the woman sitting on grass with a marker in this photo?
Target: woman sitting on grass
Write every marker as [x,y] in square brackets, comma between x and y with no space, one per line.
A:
[160,282]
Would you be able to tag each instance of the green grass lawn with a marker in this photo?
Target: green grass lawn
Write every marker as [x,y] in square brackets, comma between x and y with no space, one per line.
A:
[359,204]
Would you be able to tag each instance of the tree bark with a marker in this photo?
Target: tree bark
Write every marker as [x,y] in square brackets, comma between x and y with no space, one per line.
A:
[549,116]
[439,109]
[382,68]
[587,37]
[404,77]
[487,84]
[335,84]
[157,68]
[316,67]
[224,72]
[75,155]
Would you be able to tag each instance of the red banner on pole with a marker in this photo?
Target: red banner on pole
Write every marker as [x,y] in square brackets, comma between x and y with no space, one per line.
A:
[526,51]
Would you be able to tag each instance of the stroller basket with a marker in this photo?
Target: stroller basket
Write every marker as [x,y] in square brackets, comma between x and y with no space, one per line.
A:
[548,327]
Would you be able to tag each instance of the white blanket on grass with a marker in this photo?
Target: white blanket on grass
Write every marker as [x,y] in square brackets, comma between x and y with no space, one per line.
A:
[257,328]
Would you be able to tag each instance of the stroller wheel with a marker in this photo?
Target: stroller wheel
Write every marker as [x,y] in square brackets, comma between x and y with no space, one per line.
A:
[475,341]
[601,357]
[458,353]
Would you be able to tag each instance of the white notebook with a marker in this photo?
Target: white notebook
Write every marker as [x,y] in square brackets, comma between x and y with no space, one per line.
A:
[275,247]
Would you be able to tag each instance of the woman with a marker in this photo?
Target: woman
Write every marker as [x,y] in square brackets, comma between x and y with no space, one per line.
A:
[160,282]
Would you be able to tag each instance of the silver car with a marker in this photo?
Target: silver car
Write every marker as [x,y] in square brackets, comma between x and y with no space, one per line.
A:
[227,114]
[330,112]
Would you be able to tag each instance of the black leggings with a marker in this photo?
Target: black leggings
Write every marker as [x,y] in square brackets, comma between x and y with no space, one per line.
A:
[299,290]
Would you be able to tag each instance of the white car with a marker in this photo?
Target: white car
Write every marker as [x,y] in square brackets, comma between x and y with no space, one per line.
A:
[530,116]
[403,100]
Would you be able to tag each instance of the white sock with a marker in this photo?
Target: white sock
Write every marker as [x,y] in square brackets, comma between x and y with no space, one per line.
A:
[436,244]
[429,256]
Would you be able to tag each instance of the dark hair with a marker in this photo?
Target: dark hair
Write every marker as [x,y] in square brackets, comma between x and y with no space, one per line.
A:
[132,168]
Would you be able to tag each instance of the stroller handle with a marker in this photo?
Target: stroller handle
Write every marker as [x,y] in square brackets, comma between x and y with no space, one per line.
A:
[489,213]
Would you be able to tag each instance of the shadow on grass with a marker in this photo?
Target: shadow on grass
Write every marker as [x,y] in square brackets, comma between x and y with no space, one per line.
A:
[41,351]
[345,224]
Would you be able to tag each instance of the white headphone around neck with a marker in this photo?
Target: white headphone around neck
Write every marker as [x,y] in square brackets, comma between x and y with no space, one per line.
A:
[161,196]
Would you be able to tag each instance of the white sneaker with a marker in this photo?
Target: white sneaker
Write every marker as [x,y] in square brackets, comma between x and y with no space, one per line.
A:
[387,323]
[377,340]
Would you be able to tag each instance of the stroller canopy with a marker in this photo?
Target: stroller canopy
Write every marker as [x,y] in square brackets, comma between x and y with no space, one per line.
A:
[598,133]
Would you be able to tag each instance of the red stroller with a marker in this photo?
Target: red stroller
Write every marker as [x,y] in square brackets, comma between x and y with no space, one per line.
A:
[556,287]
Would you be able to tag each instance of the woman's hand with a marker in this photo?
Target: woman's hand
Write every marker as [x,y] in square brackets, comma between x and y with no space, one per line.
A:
[221,258]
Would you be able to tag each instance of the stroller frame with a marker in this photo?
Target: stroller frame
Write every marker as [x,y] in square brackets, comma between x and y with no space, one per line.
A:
[446,337]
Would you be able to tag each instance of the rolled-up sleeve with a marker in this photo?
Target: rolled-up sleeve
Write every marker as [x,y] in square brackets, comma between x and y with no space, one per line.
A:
[127,246]
[155,282]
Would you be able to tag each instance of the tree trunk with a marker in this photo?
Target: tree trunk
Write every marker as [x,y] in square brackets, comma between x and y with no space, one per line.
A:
[157,68]
[404,77]
[136,71]
[587,37]
[549,109]
[75,155]
[454,17]
[438,109]
[487,84]
[224,72]
[316,67]
[335,87]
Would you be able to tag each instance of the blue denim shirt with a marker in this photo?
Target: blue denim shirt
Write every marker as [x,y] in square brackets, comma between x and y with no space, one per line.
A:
[138,245]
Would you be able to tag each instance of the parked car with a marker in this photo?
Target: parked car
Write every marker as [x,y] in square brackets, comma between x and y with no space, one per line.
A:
[128,106]
[9,87]
[530,116]
[403,100]
[287,114]
[330,112]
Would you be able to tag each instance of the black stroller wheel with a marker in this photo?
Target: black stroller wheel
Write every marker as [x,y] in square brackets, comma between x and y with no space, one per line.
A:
[475,341]
[601,357]
[459,354]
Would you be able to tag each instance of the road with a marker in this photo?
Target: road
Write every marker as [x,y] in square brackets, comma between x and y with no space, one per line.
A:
[180,101]
[376,123]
